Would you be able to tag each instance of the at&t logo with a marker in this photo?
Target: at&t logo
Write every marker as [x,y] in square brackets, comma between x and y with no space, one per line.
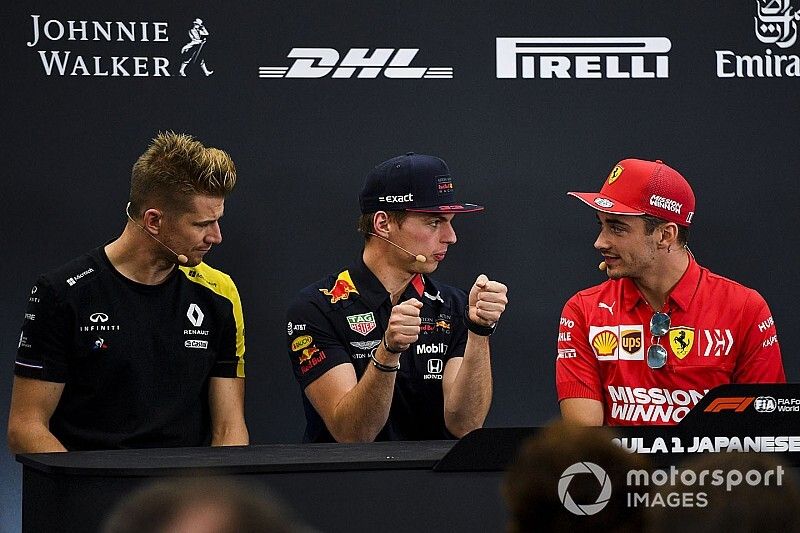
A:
[587,509]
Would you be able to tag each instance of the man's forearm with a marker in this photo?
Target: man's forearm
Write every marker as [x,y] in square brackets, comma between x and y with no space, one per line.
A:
[469,400]
[33,439]
[364,410]
[231,434]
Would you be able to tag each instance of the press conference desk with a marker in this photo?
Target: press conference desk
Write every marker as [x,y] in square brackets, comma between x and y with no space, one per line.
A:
[392,486]
[335,487]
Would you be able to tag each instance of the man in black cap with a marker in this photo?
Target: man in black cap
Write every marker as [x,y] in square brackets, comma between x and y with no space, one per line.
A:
[382,351]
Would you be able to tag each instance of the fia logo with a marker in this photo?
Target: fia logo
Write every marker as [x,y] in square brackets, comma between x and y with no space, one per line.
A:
[192,52]
[393,63]
[775,23]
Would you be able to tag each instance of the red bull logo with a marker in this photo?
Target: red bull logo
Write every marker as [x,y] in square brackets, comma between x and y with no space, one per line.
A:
[307,353]
[341,289]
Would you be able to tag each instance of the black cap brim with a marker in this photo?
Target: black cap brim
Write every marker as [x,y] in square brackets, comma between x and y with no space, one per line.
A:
[452,208]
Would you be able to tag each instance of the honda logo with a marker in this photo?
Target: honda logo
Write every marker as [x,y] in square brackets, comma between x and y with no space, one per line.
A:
[98,317]
[434,366]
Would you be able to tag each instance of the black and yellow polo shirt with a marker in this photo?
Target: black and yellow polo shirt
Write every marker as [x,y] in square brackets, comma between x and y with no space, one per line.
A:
[135,359]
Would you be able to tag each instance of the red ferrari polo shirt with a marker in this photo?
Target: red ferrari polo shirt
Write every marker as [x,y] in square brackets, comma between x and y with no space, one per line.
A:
[721,332]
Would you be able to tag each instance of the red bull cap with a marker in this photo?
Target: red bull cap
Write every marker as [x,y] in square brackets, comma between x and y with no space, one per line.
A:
[412,182]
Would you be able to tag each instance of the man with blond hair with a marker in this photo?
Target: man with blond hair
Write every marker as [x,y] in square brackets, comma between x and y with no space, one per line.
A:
[138,343]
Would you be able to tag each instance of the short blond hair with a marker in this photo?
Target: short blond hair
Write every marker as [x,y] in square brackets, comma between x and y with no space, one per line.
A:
[175,167]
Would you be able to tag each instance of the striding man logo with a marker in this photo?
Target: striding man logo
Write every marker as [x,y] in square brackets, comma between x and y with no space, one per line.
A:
[192,52]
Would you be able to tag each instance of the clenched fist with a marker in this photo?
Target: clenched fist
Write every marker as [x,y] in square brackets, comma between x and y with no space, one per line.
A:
[403,328]
[487,301]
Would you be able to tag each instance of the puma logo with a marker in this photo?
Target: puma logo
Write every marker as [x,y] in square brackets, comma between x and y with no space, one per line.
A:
[603,305]
[434,298]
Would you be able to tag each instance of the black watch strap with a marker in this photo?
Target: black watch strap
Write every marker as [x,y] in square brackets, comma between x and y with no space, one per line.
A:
[477,329]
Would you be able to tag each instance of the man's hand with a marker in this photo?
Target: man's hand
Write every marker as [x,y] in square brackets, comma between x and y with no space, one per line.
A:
[487,301]
[404,325]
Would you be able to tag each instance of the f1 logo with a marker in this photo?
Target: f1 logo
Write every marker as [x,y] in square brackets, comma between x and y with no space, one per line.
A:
[737,404]
[434,366]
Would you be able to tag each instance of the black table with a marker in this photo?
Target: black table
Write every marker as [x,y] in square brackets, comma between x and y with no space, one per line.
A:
[386,486]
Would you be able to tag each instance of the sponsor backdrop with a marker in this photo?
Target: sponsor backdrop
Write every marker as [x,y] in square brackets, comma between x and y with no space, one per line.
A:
[524,100]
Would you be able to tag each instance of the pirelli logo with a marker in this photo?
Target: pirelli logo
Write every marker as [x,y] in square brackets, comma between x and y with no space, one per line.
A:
[736,404]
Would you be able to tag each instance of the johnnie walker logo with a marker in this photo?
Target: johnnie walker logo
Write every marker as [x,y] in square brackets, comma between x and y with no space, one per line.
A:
[117,48]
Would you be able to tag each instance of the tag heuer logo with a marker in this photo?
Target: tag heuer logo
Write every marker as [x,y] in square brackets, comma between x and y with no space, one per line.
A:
[362,324]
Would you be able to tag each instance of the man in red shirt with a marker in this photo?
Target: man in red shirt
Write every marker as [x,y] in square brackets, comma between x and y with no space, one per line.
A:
[645,346]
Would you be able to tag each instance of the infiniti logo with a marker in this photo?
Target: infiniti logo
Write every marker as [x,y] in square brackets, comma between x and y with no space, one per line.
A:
[98,317]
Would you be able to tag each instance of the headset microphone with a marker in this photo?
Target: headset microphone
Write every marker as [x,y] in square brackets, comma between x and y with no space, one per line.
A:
[418,257]
[602,265]
[182,259]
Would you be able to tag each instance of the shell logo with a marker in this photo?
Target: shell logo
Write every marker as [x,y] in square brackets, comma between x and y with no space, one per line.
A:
[604,343]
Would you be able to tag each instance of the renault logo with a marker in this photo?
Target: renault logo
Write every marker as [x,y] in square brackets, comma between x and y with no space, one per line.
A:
[195,315]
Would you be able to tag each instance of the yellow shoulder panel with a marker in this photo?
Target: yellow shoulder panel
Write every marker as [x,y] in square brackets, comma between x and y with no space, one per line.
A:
[222,284]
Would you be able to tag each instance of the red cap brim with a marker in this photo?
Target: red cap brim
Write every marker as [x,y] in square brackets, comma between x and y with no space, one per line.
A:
[603,203]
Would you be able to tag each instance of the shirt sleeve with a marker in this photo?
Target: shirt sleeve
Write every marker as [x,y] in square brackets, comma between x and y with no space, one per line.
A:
[312,344]
[759,358]
[230,358]
[44,341]
[458,340]
[577,372]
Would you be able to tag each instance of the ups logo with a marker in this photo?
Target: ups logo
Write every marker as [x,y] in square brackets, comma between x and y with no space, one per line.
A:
[631,340]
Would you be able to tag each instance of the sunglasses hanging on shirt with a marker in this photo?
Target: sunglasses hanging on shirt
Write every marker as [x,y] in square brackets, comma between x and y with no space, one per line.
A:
[657,354]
